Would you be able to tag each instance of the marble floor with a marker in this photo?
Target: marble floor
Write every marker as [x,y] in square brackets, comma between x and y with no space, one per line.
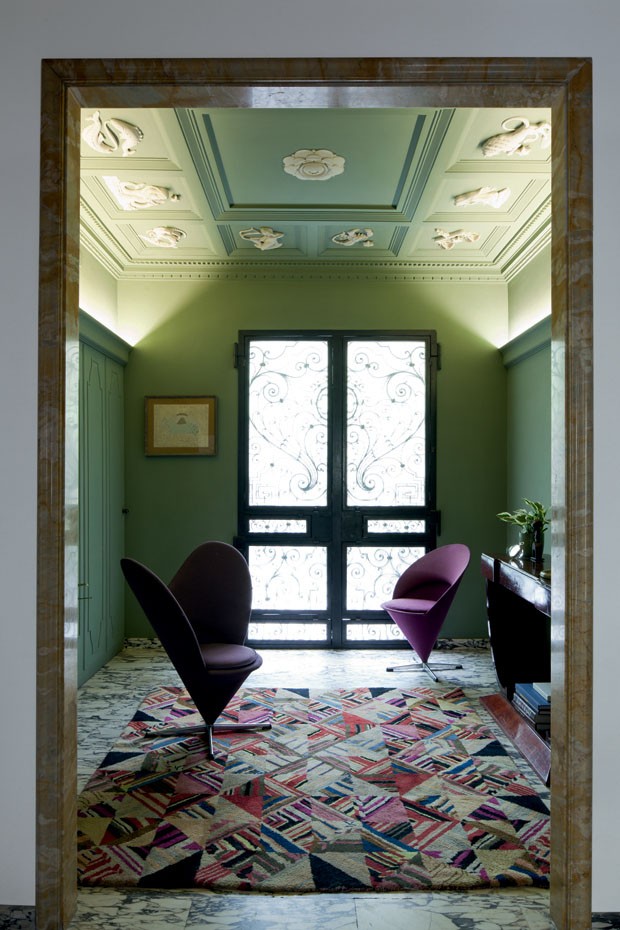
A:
[109,700]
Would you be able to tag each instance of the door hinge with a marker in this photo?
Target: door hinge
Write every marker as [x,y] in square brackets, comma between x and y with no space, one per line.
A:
[437,355]
[239,357]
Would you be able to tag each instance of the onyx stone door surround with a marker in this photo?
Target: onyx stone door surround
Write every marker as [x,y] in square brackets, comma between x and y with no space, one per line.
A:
[565,85]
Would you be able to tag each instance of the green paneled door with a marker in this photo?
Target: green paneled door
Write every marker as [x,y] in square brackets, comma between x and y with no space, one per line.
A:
[101,519]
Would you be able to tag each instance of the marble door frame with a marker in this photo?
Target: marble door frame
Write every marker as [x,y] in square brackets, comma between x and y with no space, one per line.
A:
[565,85]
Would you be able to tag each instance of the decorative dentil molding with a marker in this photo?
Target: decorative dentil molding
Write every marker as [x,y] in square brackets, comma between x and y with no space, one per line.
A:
[519,140]
[164,237]
[137,195]
[489,196]
[446,240]
[313,164]
[531,239]
[264,238]
[112,135]
[353,236]
[225,270]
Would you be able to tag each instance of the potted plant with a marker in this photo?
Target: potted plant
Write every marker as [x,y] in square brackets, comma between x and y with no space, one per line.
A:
[532,522]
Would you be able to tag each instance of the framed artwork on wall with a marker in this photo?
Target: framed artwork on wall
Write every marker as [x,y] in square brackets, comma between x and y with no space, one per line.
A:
[179,425]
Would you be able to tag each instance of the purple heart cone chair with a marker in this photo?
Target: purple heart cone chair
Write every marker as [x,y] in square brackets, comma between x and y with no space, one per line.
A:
[422,598]
[201,619]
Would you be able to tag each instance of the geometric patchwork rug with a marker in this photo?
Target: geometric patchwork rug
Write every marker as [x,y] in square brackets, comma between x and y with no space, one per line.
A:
[371,789]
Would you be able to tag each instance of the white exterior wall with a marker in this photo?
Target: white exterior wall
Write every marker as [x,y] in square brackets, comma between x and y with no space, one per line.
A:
[34,29]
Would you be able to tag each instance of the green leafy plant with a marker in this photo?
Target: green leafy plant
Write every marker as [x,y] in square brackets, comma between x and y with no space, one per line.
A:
[525,519]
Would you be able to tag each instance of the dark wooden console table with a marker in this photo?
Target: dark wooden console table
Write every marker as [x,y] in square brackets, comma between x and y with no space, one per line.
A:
[519,622]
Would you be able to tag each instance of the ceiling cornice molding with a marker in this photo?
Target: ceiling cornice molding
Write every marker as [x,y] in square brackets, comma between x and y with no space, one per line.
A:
[386,272]
[98,241]
[536,245]
[530,240]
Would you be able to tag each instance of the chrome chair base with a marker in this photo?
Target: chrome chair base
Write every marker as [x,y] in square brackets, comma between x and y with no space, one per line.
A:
[424,667]
[208,731]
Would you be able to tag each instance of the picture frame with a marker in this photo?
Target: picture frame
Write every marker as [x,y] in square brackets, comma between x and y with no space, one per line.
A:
[180,425]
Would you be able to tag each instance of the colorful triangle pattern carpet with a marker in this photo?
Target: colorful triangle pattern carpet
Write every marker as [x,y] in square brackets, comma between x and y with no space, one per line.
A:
[372,789]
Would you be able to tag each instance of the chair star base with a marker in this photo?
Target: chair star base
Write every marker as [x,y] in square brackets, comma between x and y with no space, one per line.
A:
[208,731]
[424,667]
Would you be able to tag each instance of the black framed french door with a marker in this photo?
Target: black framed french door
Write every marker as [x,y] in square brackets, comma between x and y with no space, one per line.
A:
[337,486]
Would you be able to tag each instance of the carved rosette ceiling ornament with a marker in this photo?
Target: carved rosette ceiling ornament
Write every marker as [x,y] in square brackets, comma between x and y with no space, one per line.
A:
[518,140]
[136,195]
[313,164]
[264,238]
[111,135]
[486,195]
[446,240]
[164,237]
[353,236]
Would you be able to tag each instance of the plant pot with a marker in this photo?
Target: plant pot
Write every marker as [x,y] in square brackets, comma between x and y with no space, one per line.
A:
[526,541]
[538,542]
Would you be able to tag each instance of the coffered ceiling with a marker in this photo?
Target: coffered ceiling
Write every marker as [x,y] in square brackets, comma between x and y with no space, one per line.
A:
[416,194]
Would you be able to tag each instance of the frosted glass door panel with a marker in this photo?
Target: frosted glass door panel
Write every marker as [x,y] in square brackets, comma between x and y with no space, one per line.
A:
[287,424]
[372,572]
[288,577]
[386,414]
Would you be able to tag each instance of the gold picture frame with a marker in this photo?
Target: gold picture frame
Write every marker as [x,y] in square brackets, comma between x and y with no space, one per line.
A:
[180,425]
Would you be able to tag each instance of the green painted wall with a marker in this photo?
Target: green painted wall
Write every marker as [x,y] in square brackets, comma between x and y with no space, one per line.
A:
[529,295]
[528,419]
[98,292]
[175,503]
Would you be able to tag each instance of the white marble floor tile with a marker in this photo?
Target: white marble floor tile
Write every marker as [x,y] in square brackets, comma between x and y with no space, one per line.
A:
[451,911]
[273,912]
[130,910]
[221,911]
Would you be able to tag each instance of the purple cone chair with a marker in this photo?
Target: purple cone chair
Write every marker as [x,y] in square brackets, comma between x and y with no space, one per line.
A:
[201,619]
[422,598]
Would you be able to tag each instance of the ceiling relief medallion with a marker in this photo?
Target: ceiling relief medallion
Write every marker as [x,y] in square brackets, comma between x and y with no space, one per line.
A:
[313,164]
[446,240]
[353,236]
[489,196]
[264,238]
[111,135]
[135,195]
[519,140]
[164,237]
